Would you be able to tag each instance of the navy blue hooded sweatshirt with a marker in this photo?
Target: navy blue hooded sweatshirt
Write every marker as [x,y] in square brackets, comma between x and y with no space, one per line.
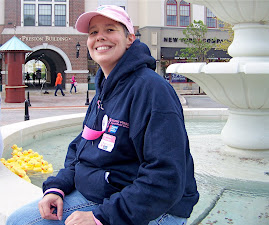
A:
[141,167]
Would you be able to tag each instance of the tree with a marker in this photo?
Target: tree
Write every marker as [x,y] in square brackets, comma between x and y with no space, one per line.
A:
[224,45]
[195,39]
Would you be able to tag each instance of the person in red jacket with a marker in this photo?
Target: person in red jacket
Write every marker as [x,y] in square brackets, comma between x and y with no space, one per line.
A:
[58,84]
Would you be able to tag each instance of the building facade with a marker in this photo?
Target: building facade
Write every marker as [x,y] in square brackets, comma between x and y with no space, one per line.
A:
[48,27]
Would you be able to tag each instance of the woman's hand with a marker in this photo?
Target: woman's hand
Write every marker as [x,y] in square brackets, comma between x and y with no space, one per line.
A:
[80,218]
[48,205]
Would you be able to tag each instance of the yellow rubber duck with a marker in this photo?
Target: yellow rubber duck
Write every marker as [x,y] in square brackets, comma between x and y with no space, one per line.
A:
[30,164]
[14,146]
[47,168]
[16,149]
[20,172]
[11,160]
[26,159]
[2,160]
[25,153]
[37,167]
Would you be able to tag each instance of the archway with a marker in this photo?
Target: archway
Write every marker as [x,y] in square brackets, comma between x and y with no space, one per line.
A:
[54,59]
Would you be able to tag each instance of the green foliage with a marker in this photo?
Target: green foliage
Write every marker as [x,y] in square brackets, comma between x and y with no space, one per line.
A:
[226,43]
[195,39]
[43,71]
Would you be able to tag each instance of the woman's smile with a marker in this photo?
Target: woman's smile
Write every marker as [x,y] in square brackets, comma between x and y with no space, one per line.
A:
[102,48]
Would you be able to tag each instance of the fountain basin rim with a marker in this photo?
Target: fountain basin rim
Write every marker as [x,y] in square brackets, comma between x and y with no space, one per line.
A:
[251,25]
[233,67]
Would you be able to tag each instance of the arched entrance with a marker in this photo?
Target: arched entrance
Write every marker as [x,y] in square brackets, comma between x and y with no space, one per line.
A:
[55,61]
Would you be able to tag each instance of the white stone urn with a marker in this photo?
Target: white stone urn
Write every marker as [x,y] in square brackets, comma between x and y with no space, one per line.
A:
[242,84]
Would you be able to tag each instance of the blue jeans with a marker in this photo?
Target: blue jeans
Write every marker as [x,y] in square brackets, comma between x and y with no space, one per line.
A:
[75,201]
[73,86]
[59,87]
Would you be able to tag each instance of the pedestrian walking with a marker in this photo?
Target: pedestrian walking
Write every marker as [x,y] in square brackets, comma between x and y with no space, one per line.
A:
[73,84]
[58,84]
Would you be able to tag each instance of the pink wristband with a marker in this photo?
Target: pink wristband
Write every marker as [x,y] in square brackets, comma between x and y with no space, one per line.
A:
[97,221]
[56,190]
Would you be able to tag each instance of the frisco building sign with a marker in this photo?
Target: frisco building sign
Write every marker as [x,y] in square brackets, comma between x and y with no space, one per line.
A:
[45,38]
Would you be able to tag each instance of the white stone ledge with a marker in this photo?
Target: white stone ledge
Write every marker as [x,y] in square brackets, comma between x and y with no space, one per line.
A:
[14,191]
[25,132]
[206,113]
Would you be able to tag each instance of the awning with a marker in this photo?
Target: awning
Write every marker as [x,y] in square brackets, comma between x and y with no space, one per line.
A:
[173,53]
[15,44]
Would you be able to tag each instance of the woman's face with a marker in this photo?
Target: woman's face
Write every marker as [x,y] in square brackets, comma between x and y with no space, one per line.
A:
[107,42]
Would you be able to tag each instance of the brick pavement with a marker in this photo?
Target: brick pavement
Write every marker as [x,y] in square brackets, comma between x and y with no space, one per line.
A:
[44,105]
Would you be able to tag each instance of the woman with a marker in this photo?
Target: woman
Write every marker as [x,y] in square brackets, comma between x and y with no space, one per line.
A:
[131,164]
[73,84]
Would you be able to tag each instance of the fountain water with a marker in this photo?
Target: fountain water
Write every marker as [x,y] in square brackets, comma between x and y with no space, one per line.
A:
[242,83]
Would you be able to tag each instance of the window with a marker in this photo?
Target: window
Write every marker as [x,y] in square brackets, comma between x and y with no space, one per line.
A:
[184,14]
[175,14]
[29,14]
[60,15]
[171,13]
[211,20]
[44,15]
[45,12]
[220,24]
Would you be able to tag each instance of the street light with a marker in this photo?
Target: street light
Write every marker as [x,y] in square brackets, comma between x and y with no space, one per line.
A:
[137,35]
[78,47]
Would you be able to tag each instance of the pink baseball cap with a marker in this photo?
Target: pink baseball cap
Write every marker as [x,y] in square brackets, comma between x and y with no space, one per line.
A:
[110,11]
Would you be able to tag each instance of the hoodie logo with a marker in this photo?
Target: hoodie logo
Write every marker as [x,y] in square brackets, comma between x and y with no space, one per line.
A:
[118,123]
[113,129]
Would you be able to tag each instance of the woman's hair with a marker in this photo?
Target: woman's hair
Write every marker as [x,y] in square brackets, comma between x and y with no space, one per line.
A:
[126,32]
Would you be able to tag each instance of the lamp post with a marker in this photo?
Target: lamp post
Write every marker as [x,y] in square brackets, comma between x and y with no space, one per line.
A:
[137,35]
[78,47]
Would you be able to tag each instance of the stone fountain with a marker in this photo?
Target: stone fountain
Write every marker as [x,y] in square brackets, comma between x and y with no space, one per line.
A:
[242,84]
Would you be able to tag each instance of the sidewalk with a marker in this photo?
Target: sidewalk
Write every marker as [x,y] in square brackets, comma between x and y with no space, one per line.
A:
[46,105]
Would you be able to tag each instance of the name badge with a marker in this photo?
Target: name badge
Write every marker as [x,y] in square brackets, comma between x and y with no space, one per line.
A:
[107,142]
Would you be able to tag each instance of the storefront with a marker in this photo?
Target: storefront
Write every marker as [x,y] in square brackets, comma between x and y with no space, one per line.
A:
[166,45]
